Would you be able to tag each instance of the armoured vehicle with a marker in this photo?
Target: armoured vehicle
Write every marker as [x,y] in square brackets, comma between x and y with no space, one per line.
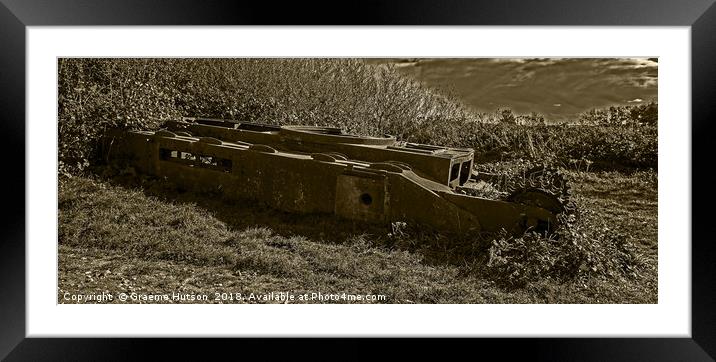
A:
[306,169]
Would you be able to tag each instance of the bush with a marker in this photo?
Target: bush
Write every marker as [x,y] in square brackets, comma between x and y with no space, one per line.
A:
[640,115]
[582,247]
[608,147]
[366,99]
[96,94]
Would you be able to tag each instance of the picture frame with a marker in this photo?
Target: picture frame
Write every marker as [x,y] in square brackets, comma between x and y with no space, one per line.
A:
[700,15]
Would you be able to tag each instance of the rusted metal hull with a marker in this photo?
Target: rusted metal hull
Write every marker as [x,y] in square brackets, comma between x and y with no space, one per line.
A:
[449,166]
[319,170]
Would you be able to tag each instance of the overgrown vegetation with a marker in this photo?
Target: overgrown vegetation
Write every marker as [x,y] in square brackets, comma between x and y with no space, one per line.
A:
[586,248]
[587,244]
[366,99]
[136,235]
[159,227]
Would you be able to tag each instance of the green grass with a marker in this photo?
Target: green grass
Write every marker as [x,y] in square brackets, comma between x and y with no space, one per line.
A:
[118,237]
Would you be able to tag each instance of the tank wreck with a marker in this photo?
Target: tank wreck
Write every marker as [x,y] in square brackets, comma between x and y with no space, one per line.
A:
[306,169]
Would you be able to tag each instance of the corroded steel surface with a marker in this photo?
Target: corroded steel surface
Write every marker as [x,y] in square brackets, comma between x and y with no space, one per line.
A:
[322,170]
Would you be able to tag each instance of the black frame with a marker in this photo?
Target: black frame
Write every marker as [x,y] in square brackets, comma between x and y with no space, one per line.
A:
[15,15]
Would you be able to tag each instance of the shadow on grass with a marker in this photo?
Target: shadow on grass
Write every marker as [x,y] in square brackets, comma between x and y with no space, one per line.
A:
[326,246]
[466,251]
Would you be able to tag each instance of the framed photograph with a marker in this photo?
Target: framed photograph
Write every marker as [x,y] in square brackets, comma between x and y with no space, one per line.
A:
[406,170]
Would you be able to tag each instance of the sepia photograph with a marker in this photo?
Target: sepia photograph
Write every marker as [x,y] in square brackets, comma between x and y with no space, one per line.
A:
[444,180]
[246,174]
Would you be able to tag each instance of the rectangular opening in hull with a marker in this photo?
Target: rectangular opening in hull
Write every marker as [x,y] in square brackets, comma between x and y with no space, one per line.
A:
[454,172]
[192,160]
[465,172]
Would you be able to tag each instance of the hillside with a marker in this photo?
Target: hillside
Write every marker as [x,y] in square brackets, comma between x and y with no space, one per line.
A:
[124,239]
[121,233]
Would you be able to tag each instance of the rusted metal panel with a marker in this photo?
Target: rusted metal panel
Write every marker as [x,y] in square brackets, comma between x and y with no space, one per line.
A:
[361,197]
[432,162]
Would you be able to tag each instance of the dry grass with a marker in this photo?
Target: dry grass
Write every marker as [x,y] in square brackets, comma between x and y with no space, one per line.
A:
[153,240]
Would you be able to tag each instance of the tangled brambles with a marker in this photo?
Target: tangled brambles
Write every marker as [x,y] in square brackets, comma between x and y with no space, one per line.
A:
[582,247]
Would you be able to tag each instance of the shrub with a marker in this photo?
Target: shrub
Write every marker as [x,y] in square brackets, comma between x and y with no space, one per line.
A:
[367,99]
[95,94]
[581,247]
[639,115]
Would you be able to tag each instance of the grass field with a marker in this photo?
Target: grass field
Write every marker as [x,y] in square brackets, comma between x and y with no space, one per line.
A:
[122,238]
[121,233]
